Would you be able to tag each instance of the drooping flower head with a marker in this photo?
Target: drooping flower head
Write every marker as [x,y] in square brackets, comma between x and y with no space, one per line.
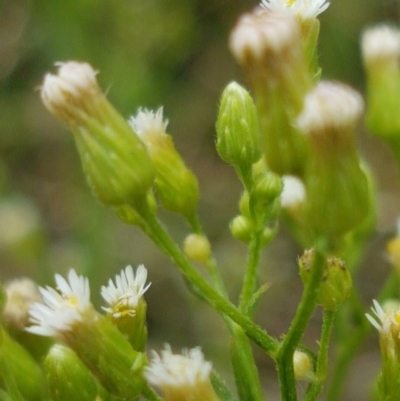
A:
[124,294]
[304,9]
[62,308]
[183,377]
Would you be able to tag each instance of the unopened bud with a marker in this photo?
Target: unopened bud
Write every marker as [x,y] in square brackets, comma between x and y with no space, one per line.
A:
[336,283]
[175,184]
[302,365]
[336,185]
[19,370]
[237,128]
[381,55]
[265,192]
[197,247]
[114,160]
[242,228]
[21,294]
[67,377]
[268,46]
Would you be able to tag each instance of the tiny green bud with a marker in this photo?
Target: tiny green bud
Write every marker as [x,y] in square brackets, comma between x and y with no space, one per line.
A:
[303,366]
[67,377]
[237,128]
[242,228]
[114,160]
[197,247]
[175,184]
[266,190]
[19,370]
[338,192]
[269,47]
[336,284]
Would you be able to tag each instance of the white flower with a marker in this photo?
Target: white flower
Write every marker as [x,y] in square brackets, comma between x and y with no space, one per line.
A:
[330,105]
[293,193]
[387,316]
[147,121]
[304,9]
[381,44]
[123,296]
[62,308]
[174,371]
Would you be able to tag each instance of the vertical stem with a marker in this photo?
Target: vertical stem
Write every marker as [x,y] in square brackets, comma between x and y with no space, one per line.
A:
[322,358]
[290,342]
[251,275]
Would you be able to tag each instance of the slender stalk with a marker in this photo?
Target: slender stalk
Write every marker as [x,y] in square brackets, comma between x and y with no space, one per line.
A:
[161,238]
[322,359]
[251,275]
[290,342]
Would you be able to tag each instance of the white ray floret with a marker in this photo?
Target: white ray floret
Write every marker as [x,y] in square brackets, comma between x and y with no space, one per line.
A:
[61,309]
[124,295]
[173,370]
[304,9]
[382,320]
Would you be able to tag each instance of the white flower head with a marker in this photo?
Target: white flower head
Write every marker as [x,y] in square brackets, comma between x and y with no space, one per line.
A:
[178,371]
[148,121]
[21,294]
[381,43]
[69,89]
[330,105]
[293,193]
[62,308]
[124,295]
[304,9]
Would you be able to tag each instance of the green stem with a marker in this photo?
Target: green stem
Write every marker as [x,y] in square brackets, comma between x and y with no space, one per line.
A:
[251,275]
[304,311]
[322,359]
[244,367]
[161,238]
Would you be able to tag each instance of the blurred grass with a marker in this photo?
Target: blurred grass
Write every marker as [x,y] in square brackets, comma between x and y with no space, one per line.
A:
[150,53]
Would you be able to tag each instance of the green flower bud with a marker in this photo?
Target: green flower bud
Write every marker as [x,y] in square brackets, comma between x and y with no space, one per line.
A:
[303,366]
[264,194]
[237,128]
[175,184]
[114,160]
[242,228]
[19,371]
[67,377]
[336,284]
[197,247]
[381,54]
[269,47]
[338,193]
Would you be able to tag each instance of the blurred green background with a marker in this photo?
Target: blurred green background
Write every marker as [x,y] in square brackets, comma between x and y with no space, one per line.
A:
[152,53]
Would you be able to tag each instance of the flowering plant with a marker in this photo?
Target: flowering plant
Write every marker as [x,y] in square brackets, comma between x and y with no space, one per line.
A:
[291,140]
